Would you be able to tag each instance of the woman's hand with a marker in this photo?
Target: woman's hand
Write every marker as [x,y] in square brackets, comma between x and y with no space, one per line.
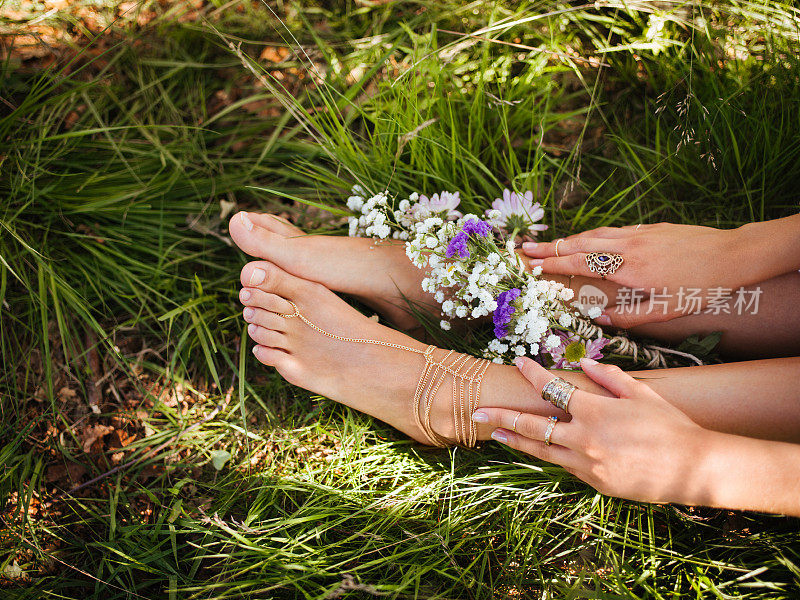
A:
[637,446]
[665,262]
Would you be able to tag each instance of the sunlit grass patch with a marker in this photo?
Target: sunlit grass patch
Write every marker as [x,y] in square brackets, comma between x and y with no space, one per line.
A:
[213,478]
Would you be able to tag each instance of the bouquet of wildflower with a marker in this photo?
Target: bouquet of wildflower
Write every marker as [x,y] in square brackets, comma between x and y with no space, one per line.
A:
[474,272]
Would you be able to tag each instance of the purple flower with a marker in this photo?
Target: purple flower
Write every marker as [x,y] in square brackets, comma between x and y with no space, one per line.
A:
[458,245]
[502,314]
[572,349]
[477,227]
[518,211]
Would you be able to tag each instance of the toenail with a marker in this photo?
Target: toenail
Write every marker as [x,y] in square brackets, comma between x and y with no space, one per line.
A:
[245,295]
[248,224]
[257,276]
[248,313]
[251,329]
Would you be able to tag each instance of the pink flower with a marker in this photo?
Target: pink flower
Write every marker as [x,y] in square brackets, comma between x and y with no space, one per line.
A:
[518,212]
[572,349]
[446,202]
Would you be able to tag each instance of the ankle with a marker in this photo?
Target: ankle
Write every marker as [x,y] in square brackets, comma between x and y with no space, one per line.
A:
[447,394]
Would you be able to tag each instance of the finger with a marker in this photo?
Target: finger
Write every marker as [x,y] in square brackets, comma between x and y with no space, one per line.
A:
[573,264]
[569,459]
[265,300]
[648,311]
[526,424]
[538,376]
[264,318]
[613,379]
[606,233]
[567,246]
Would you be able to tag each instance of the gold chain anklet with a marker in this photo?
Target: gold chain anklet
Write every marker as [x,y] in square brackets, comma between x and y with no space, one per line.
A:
[466,372]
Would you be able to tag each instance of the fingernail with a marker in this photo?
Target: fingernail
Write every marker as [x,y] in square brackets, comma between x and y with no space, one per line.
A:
[480,417]
[520,362]
[244,295]
[588,361]
[257,276]
[255,350]
[248,224]
[251,329]
[499,436]
[248,313]
[603,320]
[536,262]
[529,246]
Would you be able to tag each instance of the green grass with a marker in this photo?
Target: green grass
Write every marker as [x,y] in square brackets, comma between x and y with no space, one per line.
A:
[114,267]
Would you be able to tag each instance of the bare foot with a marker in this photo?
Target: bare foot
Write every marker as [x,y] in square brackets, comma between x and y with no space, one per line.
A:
[377,380]
[378,274]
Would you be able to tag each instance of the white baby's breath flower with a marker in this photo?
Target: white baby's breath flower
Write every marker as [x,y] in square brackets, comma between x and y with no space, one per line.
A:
[552,341]
[566,294]
[445,325]
[594,312]
[565,320]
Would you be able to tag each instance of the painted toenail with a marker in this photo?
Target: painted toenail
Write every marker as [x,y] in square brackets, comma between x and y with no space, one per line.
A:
[245,295]
[251,329]
[248,313]
[257,276]
[248,224]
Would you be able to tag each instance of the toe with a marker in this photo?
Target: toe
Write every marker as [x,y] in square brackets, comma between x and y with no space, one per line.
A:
[271,357]
[270,278]
[264,300]
[275,224]
[266,337]
[264,318]
[263,236]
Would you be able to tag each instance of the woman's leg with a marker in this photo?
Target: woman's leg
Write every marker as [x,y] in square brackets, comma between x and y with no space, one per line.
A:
[381,276]
[381,380]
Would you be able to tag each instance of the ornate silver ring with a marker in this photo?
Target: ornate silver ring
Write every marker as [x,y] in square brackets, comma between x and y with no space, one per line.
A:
[558,392]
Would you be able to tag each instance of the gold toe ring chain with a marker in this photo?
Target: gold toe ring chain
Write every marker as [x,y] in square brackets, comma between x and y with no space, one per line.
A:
[466,372]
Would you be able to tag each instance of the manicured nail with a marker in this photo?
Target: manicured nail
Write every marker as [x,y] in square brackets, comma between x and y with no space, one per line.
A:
[603,320]
[251,329]
[528,246]
[588,361]
[499,436]
[480,417]
[257,276]
[520,362]
[536,262]
[255,350]
[245,295]
[248,224]
[248,313]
